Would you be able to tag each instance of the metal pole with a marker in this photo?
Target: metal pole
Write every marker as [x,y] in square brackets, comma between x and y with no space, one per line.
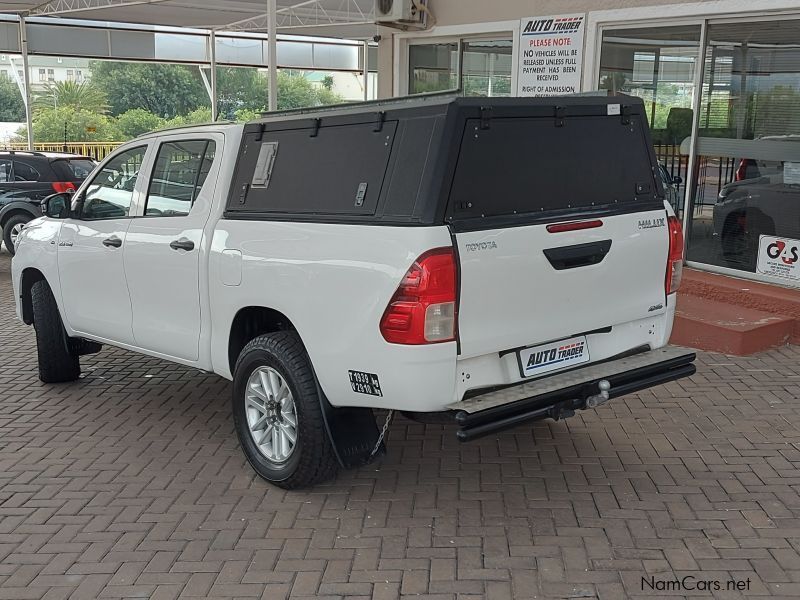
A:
[272,54]
[23,44]
[213,55]
[366,70]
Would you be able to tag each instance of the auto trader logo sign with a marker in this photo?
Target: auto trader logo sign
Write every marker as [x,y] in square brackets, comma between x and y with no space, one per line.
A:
[550,55]
[779,257]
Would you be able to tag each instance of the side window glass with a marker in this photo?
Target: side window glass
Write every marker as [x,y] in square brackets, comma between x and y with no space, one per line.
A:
[110,193]
[180,171]
[5,171]
[25,172]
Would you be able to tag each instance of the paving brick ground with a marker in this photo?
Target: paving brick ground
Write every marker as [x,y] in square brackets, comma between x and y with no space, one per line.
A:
[130,484]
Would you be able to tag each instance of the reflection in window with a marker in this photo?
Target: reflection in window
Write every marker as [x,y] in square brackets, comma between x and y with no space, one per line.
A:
[487,68]
[179,174]
[747,184]
[432,67]
[110,193]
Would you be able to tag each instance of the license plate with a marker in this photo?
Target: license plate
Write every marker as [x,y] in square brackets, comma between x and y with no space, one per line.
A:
[551,357]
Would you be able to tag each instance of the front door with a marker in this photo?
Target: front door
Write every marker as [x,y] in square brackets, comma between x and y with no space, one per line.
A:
[90,250]
[163,248]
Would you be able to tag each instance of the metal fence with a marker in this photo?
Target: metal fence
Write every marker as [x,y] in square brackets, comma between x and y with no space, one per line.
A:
[96,150]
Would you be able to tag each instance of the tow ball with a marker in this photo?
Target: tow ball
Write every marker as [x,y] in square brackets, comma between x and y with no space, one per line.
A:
[597,399]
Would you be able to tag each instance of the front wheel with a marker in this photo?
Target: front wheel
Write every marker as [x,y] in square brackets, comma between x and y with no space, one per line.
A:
[277,413]
[58,362]
[11,231]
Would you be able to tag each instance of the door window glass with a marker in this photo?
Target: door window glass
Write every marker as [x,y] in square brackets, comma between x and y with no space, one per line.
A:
[5,171]
[179,174]
[746,185]
[25,172]
[110,193]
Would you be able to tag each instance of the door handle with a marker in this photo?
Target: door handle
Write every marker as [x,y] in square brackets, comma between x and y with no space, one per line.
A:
[182,244]
[112,242]
[580,255]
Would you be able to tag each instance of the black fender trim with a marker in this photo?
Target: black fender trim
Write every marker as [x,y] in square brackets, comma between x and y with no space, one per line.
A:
[353,432]
[34,210]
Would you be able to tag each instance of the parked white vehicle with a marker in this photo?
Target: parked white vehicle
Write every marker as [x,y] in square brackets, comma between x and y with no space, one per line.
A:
[493,261]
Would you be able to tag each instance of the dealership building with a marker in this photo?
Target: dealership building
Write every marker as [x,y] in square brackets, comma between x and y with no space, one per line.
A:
[720,81]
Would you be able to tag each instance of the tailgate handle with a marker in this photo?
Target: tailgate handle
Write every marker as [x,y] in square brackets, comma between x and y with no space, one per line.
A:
[580,255]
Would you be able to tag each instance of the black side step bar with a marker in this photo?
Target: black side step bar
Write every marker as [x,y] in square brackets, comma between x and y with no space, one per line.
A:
[561,403]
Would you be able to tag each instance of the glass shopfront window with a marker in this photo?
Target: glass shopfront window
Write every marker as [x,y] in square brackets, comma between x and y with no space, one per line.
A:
[478,67]
[746,188]
[432,67]
[658,64]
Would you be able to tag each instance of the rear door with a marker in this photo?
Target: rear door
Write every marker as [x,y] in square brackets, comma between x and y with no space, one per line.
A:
[561,229]
[164,247]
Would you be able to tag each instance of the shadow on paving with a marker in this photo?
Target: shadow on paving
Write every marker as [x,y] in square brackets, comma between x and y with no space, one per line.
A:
[130,483]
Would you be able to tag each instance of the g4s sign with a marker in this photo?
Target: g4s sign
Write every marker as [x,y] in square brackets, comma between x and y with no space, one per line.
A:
[779,249]
[779,257]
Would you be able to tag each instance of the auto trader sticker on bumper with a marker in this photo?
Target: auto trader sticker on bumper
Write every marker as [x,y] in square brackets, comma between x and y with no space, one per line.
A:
[779,257]
[550,357]
[365,383]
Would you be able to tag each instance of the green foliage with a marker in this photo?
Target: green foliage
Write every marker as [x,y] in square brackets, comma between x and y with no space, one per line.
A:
[327,82]
[196,117]
[240,89]
[162,89]
[82,126]
[137,121]
[12,108]
[245,114]
[295,91]
[84,96]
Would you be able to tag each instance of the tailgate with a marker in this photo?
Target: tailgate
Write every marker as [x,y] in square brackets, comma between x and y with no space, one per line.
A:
[529,274]
[522,286]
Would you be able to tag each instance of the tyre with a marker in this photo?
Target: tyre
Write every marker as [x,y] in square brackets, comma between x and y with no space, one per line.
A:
[277,413]
[57,362]
[12,229]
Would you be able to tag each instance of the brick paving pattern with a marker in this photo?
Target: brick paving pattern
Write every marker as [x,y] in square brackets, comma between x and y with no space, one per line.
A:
[130,484]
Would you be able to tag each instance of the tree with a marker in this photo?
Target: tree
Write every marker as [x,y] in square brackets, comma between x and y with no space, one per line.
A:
[196,117]
[327,82]
[82,126]
[70,94]
[162,89]
[240,89]
[12,108]
[137,121]
[295,91]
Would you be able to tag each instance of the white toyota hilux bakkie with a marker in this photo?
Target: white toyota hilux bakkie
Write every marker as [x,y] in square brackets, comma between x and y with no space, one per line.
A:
[487,261]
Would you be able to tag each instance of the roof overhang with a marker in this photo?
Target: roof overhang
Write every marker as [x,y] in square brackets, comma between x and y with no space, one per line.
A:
[351,19]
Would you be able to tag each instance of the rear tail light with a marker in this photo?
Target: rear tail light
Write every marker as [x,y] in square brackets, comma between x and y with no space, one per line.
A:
[61,187]
[423,309]
[675,258]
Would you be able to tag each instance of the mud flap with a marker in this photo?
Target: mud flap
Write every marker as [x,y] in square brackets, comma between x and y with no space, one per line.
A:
[353,432]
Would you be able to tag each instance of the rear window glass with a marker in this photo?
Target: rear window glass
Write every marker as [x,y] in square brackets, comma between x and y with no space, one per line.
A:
[529,165]
[80,167]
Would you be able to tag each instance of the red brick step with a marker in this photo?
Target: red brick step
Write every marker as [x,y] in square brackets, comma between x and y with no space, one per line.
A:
[709,324]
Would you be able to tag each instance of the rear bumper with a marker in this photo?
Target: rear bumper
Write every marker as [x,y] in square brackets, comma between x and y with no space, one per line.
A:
[560,395]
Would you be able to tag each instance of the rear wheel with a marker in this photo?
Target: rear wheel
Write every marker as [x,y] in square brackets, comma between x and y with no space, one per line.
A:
[277,413]
[12,229]
[57,361]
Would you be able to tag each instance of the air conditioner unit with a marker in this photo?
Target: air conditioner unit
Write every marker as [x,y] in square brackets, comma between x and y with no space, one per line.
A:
[401,13]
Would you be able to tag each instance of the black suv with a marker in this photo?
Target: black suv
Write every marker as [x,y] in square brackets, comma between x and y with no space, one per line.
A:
[27,178]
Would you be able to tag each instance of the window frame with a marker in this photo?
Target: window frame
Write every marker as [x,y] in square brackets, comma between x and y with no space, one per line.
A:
[80,196]
[14,161]
[195,190]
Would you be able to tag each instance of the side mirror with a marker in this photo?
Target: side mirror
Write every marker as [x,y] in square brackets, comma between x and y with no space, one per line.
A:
[677,180]
[57,206]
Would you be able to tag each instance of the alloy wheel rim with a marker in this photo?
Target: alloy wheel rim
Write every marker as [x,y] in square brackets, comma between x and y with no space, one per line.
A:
[271,414]
[15,231]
